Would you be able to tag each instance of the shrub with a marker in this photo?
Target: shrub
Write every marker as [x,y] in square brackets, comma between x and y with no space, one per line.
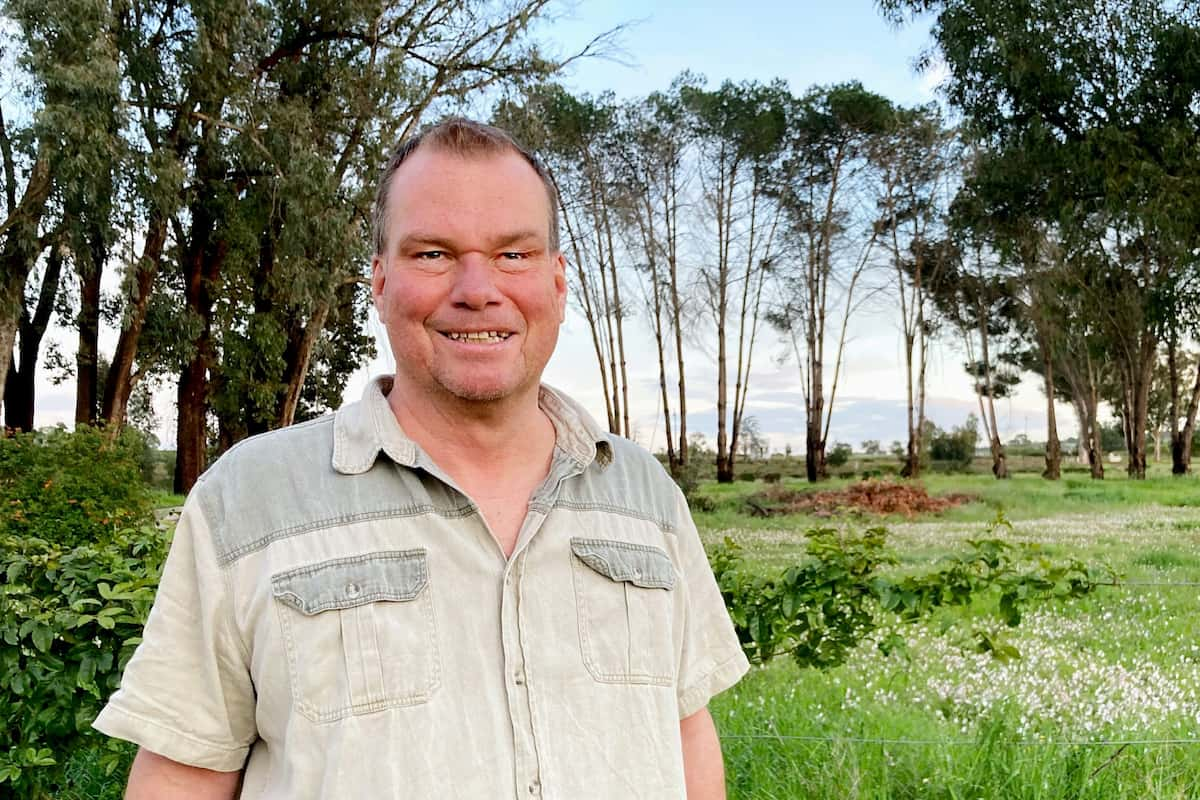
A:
[820,610]
[839,455]
[70,618]
[71,487]
[956,446]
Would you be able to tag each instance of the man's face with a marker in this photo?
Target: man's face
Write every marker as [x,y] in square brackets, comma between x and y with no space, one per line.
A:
[467,287]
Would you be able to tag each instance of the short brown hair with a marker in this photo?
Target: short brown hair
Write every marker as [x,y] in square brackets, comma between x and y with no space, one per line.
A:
[466,138]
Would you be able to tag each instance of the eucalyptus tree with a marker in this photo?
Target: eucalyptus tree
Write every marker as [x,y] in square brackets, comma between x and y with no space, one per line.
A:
[654,147]
[1096,106]
[257,133]
[67,56]
[976,293]
[823,191]
[914,172]
[1181,394]
[740,131]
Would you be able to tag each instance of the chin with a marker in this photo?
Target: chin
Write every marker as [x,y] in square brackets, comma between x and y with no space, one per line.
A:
[481,391]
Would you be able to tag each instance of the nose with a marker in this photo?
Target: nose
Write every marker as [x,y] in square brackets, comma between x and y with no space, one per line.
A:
[475,282]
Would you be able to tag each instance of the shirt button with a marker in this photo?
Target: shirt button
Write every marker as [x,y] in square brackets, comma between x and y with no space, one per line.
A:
[533,787]
[518,680]
[352,590]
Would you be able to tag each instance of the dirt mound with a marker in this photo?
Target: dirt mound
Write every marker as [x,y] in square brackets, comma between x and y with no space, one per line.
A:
[870,496]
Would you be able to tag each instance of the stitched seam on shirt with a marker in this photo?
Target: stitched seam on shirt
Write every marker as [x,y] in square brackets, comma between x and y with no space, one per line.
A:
[185,736]
[228,558]
[243,650]
[577,505]
[701,683]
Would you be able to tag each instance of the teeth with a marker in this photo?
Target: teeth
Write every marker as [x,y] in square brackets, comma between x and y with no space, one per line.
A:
[478,336]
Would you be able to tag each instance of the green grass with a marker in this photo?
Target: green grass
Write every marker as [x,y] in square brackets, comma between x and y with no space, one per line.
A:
[946,722]
[165,499]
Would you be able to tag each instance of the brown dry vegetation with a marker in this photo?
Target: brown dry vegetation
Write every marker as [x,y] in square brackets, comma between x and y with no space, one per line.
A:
[869,496]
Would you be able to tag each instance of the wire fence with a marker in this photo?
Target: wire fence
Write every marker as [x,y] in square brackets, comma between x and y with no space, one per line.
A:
[958,742]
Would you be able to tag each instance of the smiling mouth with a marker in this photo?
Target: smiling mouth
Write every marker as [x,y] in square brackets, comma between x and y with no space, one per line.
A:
[482,337]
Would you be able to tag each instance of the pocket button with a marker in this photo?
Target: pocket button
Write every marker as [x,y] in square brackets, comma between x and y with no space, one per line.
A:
[352,590]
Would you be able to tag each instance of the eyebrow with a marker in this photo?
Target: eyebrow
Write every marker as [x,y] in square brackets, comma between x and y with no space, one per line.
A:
[419,239]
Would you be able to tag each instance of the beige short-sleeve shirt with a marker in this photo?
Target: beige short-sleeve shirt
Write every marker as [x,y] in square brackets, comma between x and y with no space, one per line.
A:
[335,618]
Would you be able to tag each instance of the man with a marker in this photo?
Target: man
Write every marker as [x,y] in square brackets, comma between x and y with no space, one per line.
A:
[458,587]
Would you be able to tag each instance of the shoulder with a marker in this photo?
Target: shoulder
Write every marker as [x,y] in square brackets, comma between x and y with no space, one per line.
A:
[271,485]
[292,456]
[628,480]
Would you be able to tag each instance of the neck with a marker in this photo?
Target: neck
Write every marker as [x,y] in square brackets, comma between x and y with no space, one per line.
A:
[462,436]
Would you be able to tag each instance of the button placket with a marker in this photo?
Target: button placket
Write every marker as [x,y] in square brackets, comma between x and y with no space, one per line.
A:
[514,665]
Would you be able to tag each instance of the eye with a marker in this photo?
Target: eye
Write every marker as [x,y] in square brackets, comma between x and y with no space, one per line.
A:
[429,255]
[514,255]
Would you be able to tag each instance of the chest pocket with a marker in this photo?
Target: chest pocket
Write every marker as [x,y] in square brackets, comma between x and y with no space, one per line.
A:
[624,599]
[360,633]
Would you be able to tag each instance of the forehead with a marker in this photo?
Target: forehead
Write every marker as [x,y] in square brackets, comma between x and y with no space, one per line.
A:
[456,194]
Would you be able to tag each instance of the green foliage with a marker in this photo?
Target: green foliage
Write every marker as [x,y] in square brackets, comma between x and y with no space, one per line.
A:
[839,455]
[71,487]
[818,611]
[822,609]
[70,618]
[956,446]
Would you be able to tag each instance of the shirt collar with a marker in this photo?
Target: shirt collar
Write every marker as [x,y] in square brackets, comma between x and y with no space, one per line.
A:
[362,429]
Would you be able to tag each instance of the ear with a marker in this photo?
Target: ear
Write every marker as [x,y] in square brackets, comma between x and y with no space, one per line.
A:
[378,281]
[560,285]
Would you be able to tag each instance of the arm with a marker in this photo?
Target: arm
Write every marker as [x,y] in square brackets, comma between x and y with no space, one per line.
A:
[703,769]
[155,777]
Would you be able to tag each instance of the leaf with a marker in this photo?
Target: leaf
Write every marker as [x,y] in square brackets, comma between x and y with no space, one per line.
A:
[43,637]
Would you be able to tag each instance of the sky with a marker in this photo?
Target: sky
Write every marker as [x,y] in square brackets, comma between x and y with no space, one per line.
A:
[804,43]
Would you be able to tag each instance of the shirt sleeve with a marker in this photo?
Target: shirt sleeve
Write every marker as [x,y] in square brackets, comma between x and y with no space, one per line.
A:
[711,659]
[186,693]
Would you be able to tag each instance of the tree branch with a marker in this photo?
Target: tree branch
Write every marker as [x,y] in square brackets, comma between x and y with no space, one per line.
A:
[10,169]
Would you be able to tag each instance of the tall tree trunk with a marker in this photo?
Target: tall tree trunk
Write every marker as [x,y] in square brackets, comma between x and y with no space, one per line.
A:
[1096,448]
[912,454]
[21,388]
[677,323]
[88,321]
[724,219]
[999,457]
[299,356]
[1140,374]
[8,338]
[1053,469]
[202,269]
[119,385]
[724,457]
[1189,428]
[18,253]
[1181,438]
[589,313]
[1083,438]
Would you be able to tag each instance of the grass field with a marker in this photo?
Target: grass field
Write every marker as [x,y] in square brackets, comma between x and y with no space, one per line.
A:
[1104,701]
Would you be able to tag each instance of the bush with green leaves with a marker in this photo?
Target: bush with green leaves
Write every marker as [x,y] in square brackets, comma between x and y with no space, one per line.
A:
[818,611]
[70,618]
[956,446]
[839,455]
[71,487]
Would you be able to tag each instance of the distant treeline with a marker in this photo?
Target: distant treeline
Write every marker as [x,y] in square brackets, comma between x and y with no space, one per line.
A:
[222,158]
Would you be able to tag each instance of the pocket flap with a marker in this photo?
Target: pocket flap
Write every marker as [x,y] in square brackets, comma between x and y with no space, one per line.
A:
[347,582]
[639,564]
